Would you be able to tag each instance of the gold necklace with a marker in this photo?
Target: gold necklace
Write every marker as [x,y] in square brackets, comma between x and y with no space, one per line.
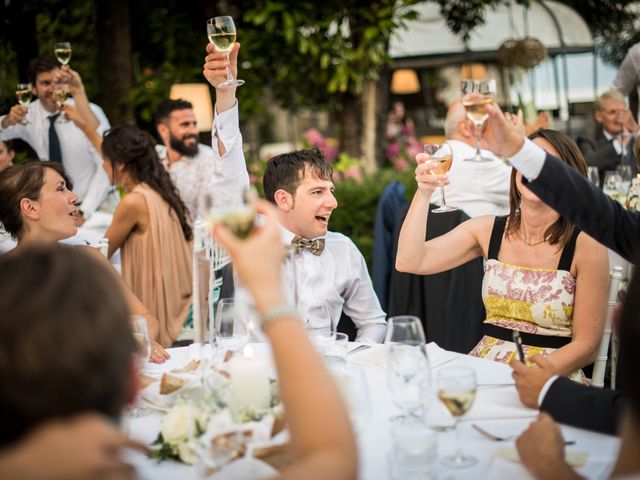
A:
[533,244]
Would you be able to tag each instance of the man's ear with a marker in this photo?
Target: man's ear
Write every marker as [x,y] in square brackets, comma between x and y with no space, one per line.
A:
[30,208]
[163,131]
[598,116]
[283,199]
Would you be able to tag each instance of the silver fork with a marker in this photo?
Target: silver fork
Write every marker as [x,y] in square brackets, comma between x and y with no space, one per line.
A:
[358,349]
[491,436]
[496,438]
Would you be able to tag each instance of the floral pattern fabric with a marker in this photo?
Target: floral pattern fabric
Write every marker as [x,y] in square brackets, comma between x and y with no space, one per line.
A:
[529,300]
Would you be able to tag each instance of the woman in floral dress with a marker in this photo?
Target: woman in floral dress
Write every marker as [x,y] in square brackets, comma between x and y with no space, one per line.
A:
[543,277]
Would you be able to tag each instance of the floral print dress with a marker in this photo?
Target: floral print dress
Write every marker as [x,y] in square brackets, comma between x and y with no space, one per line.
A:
[530,300]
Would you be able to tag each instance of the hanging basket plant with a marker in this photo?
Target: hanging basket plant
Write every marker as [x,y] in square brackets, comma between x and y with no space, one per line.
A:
[524,52]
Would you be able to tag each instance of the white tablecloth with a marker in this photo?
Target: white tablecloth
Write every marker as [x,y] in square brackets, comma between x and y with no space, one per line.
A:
[496,407]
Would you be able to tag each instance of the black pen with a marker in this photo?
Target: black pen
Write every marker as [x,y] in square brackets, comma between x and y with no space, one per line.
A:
[517,339]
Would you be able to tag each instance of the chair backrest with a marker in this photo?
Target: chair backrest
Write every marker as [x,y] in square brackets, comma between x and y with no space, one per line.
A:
[600,365]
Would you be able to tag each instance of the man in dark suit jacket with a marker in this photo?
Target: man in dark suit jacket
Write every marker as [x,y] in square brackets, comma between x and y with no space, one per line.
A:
[573,197]
[613,142]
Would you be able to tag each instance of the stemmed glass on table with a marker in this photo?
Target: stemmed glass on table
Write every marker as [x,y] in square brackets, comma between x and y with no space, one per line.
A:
[476,94]
[408,364]
[23,94]
[231,329]
[222,33]
[457,391]
[440,159]
[142,353]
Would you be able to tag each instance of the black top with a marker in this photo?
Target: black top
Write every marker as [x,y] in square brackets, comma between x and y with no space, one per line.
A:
[496,241]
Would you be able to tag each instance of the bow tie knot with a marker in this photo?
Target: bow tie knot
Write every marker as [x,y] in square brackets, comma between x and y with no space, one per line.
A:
[314,246]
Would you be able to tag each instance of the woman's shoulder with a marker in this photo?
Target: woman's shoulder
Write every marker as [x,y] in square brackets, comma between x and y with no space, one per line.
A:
[133,203]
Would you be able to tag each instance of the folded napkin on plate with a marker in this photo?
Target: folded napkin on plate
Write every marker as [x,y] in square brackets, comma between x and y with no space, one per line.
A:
[574,458]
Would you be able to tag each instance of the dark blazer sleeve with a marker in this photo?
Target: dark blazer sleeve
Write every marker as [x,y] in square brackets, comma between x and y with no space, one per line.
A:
[604,156]
[583,204]
[597,409]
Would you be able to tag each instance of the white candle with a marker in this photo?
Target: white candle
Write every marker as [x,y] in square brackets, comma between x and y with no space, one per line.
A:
[250,387]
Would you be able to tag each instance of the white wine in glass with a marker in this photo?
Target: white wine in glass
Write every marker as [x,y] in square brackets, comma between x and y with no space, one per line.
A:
[440,159]
[222,33]
[24,94]
[63,52]
[457,391]
[476,94]
[239,217]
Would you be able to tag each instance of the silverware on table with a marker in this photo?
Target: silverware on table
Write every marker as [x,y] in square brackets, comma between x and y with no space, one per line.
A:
[358,349]
[497,438]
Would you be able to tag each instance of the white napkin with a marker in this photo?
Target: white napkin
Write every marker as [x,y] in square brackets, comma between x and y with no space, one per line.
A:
[376,356]
[575,458]
[498,403]
[246,467]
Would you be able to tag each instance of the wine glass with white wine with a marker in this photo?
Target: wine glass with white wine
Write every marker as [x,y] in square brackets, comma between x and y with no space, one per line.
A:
[62,51]
[238,214]
[440,159]
[457,391]
[476,94]
[222,33]
[23,94]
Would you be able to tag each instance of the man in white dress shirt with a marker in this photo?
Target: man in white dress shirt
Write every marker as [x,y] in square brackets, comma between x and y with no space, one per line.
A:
[194,167]
[478,188]
[329,281]
[57,139]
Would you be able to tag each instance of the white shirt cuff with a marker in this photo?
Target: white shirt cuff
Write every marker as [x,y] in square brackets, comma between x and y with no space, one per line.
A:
[545,388]
[529,160]
[226,126]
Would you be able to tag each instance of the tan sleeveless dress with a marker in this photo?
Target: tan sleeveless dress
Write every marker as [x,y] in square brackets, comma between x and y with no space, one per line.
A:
[157,266]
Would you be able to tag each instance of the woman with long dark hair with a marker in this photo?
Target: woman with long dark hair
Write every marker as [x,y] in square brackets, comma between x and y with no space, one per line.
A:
[543,277]
[151,227]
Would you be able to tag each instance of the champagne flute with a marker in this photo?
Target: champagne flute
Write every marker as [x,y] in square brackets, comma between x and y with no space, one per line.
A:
[222,33]
[440,159]
[476,94]
[63,52]
[457,391]
[23,94]
[59,94]
[142,353]
[408,364]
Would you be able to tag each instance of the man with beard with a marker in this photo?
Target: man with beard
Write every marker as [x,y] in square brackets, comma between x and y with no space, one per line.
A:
[192,165]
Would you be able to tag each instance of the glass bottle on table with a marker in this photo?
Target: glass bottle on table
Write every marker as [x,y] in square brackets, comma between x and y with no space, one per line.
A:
[440,159]
[475,95]
[221,31]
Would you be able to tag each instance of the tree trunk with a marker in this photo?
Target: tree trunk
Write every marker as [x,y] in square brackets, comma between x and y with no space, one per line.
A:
[350,116]
[369,101]
[115,66]
[382,109]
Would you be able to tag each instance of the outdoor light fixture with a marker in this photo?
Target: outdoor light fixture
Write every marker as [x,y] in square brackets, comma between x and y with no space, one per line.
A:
[200,97]
[405,81]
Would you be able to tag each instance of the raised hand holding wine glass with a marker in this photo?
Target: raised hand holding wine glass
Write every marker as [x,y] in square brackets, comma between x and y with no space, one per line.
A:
[221,32]
[23,94]
[475,95]
[439,163]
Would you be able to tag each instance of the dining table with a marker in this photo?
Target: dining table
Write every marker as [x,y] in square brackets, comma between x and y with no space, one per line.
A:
[496,409]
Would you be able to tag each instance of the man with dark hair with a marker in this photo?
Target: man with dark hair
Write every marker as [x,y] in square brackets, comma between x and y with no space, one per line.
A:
[194,167]
[59,140]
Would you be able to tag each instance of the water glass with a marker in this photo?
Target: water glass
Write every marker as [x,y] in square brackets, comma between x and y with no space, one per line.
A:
[625,178]
[414,451]
[337,352]
[232,333]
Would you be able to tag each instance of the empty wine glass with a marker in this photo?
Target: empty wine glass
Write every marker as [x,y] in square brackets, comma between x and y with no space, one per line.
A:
[408,364]
[222,33]
[62,51]
[476,94]
[231,329]
[23,94]
[142,353]
[321,327]
[457,391]
[440,159]
[625,178]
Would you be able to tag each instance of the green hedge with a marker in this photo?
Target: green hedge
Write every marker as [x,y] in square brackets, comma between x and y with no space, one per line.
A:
[357,204]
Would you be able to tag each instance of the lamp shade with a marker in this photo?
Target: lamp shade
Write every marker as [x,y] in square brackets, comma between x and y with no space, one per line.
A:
[199,96]
[473,71]
[405,81]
